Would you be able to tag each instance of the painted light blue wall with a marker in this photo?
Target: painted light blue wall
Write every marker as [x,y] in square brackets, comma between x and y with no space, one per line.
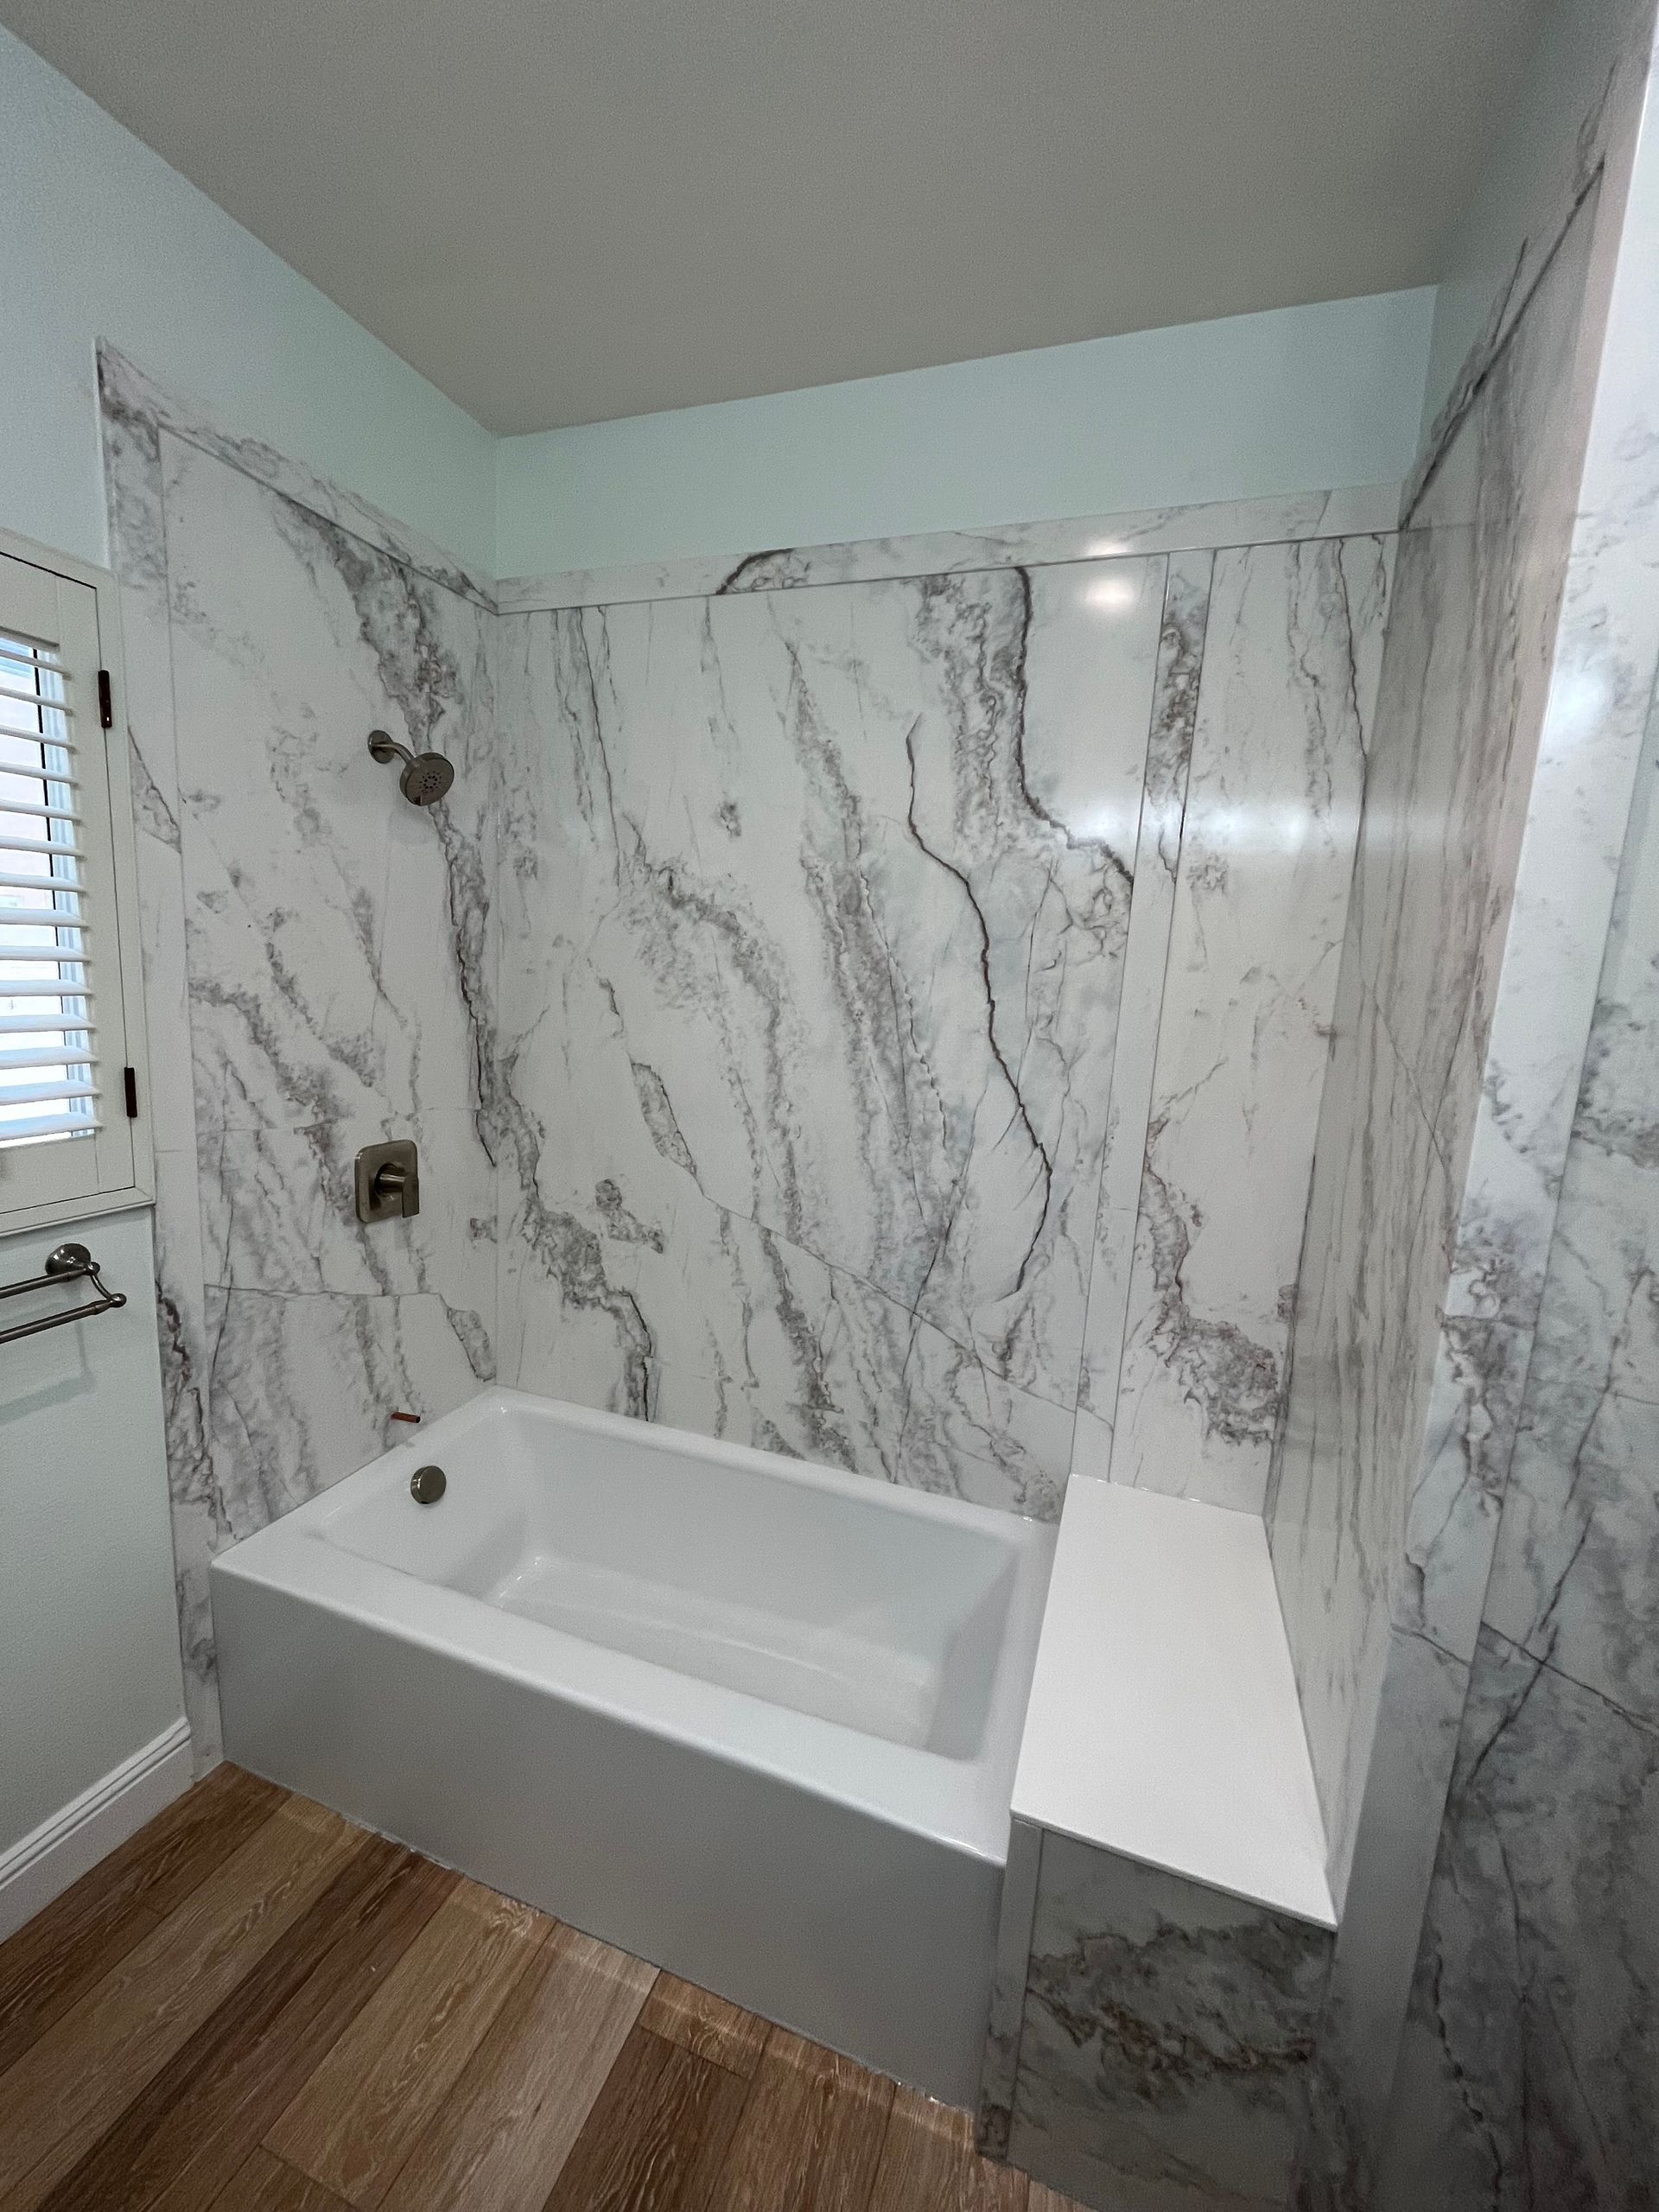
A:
[99,238]
[102,238]
[1527,181]
[1294,399]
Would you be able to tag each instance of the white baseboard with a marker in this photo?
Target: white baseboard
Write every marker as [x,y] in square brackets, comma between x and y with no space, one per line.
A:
[88,1829]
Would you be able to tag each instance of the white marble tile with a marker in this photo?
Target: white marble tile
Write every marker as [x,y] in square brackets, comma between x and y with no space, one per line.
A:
[1167,2035]
[1452,1515]
[325,924]
[1466,683]
[1368,1502]
[1157,859]
[1292,643]
[198,1514]
[310,946]
[1532,2035]
[1354,510]
[817,904]
[718,1326]
[1507,739]
[1019,1905]
[1576,1577]
[1599,695]
[1407,1767]
[139,553]
[763,853]
[1526,2075]
[304,1386]
[1362,1366]
[126,393]
[1091,1445]
[278,1212]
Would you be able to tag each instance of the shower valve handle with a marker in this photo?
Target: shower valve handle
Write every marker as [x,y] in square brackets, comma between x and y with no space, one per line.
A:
[392,1181]
[388,1181]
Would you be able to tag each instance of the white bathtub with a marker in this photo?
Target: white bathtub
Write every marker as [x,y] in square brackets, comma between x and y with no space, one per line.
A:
[753,1720]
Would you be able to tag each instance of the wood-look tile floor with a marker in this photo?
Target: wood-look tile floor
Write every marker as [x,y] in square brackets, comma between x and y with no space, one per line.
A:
[254,2006]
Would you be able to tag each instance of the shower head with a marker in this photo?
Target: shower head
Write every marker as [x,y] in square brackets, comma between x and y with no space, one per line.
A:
[426,777]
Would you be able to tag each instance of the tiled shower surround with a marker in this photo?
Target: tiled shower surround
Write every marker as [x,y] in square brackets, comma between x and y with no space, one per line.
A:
[315,964]
[812,1002]
[879,1002]
[875,1009]
[834,936]
[1532,2042]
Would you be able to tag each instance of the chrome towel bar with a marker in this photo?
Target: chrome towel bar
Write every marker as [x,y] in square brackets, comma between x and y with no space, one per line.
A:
[68,1262]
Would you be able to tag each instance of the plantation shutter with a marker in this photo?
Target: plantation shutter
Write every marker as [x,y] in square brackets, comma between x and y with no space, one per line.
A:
[65,1132]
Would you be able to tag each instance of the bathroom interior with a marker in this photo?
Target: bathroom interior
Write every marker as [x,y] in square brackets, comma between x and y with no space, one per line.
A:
[830,1106]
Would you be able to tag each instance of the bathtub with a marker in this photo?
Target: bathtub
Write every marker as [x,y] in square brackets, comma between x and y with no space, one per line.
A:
[753,1720]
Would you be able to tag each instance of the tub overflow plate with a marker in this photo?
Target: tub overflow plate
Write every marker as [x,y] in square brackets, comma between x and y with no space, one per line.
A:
[427,1485]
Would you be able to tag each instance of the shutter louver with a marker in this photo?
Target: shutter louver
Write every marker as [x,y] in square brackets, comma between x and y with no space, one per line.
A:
[48,1062]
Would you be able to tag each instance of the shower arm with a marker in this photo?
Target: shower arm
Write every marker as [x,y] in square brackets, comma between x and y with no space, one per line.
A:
[386,748]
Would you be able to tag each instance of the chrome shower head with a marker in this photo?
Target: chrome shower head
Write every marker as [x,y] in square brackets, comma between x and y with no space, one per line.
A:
[426,777]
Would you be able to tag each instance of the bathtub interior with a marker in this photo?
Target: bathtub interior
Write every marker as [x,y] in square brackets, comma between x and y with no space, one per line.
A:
[890,1623]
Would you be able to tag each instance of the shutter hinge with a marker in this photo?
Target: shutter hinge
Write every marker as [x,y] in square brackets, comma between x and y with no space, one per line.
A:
[130,1077]
[105,700]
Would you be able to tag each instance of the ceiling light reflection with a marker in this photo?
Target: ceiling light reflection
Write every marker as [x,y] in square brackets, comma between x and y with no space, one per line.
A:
[1112,593]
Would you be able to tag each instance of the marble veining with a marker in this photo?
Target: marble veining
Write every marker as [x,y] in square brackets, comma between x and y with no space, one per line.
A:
[1157,861]
[1394,1446]
[798,1113]
[315,969]
[1525,634]
[1526,2075]
[1167,2035]
[1576,1577]
[788,1001]
[1533,2038]
[127,394]
[923,837]
[1356,511]
[831,891]
[1002,2034]
[1292,648]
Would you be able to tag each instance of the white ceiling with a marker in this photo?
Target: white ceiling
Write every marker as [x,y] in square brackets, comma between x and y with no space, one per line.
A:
[563,210]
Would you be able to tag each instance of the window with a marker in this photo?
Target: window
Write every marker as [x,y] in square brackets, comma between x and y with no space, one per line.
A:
[69,1144]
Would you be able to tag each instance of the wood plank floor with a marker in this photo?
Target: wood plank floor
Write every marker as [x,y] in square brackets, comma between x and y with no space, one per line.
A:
[254,2006]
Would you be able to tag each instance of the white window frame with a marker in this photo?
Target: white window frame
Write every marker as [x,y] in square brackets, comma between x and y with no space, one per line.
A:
[119,1001]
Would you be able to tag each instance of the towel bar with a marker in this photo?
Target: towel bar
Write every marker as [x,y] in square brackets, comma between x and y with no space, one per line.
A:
[65,1265]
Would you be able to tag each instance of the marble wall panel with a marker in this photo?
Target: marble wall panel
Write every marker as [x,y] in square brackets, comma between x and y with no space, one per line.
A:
[836,904]
[1167,2038]
[837,922]
[1157,865]
[1465,687]
[1001,2070]
[131,437]
[1533,2039]
[1526,2075]
[1466,691]
[317,972]
[1292,649]
[1527,629]
[818,903]
[1352,511]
